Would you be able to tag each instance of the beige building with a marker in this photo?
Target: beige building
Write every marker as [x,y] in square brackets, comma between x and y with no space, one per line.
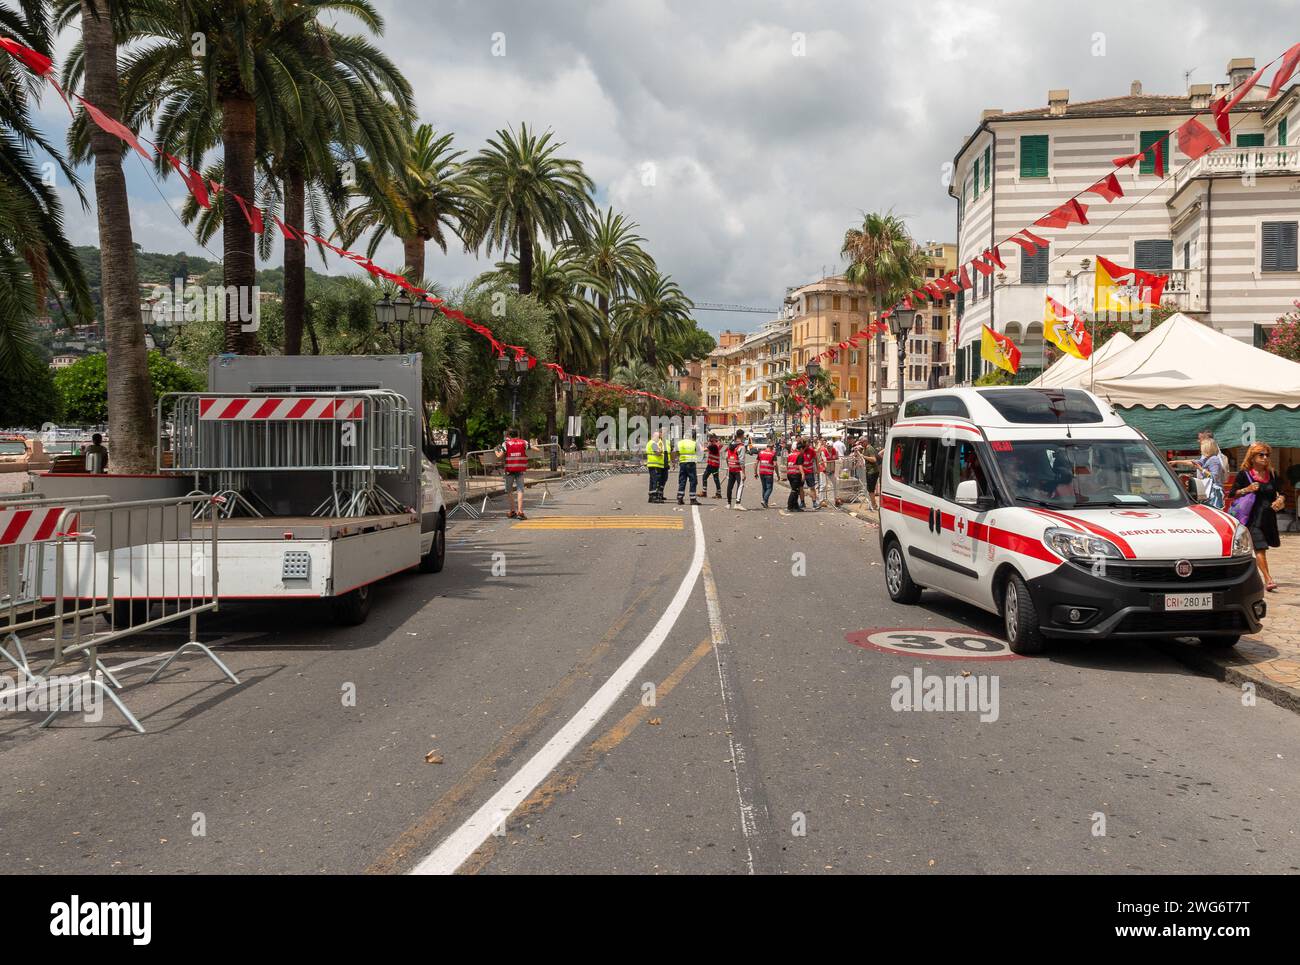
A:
[823,314]
[1222,227]
[741,374]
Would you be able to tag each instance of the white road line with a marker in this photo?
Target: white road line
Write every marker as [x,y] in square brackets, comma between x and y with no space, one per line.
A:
[718,632]
[457,847]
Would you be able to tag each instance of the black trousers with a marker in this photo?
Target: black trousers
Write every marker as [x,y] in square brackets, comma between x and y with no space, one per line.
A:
[796,486]
[717,480]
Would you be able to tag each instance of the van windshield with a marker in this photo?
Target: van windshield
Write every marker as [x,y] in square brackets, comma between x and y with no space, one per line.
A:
[1076,474]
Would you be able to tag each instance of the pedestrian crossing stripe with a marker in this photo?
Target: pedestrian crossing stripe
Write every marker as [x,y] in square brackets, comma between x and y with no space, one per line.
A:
[601,522]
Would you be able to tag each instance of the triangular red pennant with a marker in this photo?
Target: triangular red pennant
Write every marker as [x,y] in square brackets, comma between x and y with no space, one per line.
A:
[193,180]
[1072,212]
[1289,62]
[1128,160]
[1196,140]
[1221,119]
[994,257]
[36,61]
[1107,188]
[116,128]
[1159,148]
[964,279]
[251,212]
[983,267]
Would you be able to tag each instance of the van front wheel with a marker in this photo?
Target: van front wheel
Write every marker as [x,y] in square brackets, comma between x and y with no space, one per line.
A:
[1021,618]
[898,582]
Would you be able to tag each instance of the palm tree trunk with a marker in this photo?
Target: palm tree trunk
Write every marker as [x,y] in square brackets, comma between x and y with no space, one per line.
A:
[607,364]
[413,254]
[525,260]
[239,265]
[880,353]
[295,261]
[130,393]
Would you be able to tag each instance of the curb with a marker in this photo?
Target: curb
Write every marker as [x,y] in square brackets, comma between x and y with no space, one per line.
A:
[1197,658]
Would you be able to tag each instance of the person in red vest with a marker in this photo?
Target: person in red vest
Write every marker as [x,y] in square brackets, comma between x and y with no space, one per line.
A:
[765,469]
[794,476]
[515,453]
[714,452]
[736,470]
[810,470]
[831,457]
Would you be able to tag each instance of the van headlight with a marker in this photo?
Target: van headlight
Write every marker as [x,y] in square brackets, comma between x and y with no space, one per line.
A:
[1080,546]
[1242,544]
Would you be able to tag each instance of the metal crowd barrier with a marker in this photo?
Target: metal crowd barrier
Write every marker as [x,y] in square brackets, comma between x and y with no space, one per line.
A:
[352,435]
[101,572]
[478,470]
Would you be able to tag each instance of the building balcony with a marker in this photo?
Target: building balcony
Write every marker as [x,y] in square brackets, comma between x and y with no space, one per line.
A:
[1240,162]
[1185,290]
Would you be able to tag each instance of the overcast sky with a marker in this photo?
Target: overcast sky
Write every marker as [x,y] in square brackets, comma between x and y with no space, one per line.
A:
[765,127]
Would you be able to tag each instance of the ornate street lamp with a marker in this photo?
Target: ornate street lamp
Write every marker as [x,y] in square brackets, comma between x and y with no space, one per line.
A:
[513,375]
[161,323]
[399,311]
[813,368]
[900,324]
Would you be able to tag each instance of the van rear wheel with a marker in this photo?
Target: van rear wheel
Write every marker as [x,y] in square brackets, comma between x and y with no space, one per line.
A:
[898,582]
[1021,618]
[352,608]
[431,562]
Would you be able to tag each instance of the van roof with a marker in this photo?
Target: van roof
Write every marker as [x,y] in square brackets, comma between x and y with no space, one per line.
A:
[1012,407]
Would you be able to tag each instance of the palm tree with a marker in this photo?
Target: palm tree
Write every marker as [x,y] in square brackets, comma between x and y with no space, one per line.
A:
[130,392]
[884,259]
[655,309]
[422,196]
[615,256]
[560,282]
[33,246]
[529,193]
[206,70]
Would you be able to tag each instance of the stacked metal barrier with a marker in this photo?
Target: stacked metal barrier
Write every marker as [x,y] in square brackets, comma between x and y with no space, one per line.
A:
[95,572]
[354,436]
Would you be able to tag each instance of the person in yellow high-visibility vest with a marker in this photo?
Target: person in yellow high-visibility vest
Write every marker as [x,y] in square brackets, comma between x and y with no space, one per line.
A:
[687,453]
[656,459]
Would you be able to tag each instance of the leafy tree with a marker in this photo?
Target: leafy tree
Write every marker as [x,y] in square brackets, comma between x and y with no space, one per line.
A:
[83,386]
[29,400]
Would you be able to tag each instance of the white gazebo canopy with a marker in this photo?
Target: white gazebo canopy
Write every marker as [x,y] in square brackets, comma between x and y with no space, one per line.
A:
[1185,363]
[1068,372]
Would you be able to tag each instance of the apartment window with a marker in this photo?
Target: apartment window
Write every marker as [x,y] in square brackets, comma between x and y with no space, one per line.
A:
[853,304]
[1250,140]
[1279,239]
[1033,155]
[975,181]
[835,331]
[1033,268]
[920,325]
[853,385]
[1145,140]
[1153,254]
[1262,333]
[835,303]
[961,303]
[988,164]
[1187,254]
[1281,132]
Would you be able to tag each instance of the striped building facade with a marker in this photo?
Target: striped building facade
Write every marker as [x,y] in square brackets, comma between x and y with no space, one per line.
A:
[1223,227]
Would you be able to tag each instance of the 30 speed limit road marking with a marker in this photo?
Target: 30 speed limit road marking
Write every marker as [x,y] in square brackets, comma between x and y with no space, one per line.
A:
[955,644]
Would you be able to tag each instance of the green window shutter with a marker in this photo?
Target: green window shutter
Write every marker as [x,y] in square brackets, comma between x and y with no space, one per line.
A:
[1279,239]
[976,179]
[1281,132]
[1145,140]
[988,161]
[1033,155]
[1250,140]
[1154,254]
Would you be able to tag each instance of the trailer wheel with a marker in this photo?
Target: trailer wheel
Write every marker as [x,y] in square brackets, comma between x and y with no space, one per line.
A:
[352,608]
[431,562]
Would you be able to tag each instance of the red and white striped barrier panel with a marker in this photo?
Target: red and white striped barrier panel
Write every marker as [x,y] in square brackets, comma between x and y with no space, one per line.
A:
[21,526]
[262,409]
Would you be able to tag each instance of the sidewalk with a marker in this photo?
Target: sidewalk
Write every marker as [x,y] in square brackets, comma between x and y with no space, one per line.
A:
[1271,659]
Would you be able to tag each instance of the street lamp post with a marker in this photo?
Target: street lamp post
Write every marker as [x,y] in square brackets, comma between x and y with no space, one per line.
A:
[785,408]
[814,417]
[161,323]
[399,311]
[900,324]
[513,374]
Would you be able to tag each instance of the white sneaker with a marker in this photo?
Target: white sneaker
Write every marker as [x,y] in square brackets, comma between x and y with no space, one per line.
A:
[741,508]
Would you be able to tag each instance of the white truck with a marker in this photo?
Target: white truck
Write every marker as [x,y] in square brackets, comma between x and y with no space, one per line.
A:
[327,483]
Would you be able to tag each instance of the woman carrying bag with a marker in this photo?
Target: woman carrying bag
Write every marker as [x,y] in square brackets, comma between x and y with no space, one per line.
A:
[1256,501]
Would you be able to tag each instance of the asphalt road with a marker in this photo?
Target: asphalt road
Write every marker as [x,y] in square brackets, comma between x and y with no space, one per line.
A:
[652,699]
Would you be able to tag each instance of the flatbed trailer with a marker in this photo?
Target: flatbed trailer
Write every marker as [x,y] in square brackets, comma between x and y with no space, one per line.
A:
[326,487]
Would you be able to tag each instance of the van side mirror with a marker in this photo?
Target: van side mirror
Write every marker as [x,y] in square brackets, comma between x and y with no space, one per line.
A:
[968,494]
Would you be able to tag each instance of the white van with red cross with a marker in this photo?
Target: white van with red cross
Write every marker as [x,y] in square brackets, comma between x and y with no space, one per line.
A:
[1043,506]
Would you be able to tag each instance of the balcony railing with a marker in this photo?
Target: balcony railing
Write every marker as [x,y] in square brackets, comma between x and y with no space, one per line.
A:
[1184,290]
[1241,162]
